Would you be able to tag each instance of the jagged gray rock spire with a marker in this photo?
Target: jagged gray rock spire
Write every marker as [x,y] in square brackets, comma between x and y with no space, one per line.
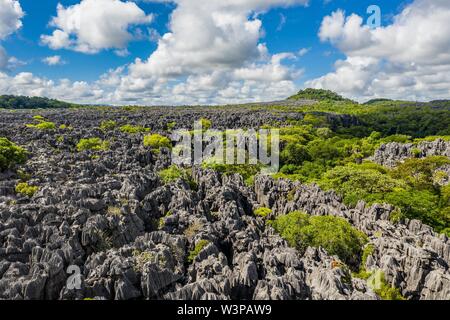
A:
[392,153]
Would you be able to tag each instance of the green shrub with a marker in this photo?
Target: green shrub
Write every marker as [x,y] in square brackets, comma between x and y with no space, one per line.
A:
[363,273]
[39,118]
[418,173]
[421,205]
[171,125]
[377,282]
[446,231]
[174,173]
[206,124]
[396,216]
[198,247]
[171,174]
[108,125]
[262,212]
[334,234]
[315,120]
[324,133]
[416,152]
[130,129]
[157,141]
[43,125]
[92,144]
[26,190]
[10,154]
[24,176]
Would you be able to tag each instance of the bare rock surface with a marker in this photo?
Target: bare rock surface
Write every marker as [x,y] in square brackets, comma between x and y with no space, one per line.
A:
[392,153]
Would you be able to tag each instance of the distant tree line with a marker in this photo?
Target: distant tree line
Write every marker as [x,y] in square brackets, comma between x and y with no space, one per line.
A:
[23,102]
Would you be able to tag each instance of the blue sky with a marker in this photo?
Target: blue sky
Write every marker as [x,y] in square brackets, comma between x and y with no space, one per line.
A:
[287,26]
[299,31]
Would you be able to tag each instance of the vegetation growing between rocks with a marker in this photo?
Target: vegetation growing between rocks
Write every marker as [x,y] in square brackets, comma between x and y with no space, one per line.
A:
[108,125]
[173,173]
[25,189]
[202,244]
[377,282]
[92,144]
[247,172]
[130,129]
[339,162]
[410,187]
[41,124]
[205,123]
[10,154]
[262,212]
[157,141]
[334,234]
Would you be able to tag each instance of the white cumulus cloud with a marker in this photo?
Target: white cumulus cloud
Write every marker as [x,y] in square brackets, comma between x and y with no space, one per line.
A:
[408,59]
[11,14]
[212,53]
[95,25]
[213,48]
[10,17]
[53,60]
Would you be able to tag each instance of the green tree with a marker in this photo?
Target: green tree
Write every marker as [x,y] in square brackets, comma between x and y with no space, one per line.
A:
[334,234]
[295,154]
[367,182]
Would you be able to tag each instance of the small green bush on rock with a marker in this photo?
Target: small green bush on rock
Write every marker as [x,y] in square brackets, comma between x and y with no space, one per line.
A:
[43,125]
[39,118]
[10,154]
[130,129]
[198,247]
[157,141]
[384,290]
[108,125]
[262,212]
[171,125]
[173,173]
[206,124]
[92,144]
[26,190]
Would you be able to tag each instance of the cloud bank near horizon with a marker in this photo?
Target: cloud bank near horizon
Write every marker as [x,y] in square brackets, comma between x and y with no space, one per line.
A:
[213,53]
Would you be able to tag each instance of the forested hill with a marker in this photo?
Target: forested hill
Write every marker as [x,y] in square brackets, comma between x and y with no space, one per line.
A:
[323,100]
[23,102]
